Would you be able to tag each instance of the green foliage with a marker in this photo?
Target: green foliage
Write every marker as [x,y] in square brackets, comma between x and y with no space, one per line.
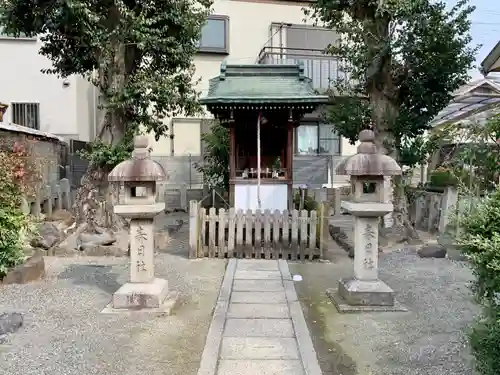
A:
[19,177]
[403,60]
[215,165]
[442,177]
[484,338]
[310,203]
[138,53]
[12,225]
[105,155]
[480,241]
[474,158]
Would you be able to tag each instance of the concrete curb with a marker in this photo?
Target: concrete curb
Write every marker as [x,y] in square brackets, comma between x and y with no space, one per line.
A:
[210,356]
[304,341]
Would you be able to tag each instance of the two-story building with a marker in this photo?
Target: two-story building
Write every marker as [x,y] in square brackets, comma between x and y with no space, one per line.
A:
[238,32]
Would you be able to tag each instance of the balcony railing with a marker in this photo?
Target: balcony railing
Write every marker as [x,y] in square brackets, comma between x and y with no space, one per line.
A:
[322,69]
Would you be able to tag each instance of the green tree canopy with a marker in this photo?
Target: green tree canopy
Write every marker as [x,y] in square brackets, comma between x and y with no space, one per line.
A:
[403,60]
[138,53]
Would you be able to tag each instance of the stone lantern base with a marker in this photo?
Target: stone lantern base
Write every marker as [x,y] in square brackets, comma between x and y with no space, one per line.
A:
[153,297]
[355,295]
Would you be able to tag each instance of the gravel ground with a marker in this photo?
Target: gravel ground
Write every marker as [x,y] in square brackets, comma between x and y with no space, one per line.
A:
[427,340]
[64,332]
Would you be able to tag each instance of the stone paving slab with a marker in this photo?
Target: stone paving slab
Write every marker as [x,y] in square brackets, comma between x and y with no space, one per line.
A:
[257,275]
[259,297]
[257,286]
[259,367]
[258,265]
[259,328]
[258,311]
[259,348]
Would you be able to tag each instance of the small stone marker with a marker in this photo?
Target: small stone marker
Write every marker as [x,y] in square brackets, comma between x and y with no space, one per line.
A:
[138,203]
[365,291]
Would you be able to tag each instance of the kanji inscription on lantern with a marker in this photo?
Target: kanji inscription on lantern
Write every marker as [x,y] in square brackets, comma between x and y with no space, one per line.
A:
[141,266]
[368,263]
[141,251]
[369,232]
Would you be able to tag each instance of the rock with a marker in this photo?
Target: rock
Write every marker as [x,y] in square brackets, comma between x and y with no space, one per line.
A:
[89,240]
[432,251]
[33,269]
[113,251]
[10,322]
[63,251]
[61,215]
[48,236]
[393,235]
[161,241]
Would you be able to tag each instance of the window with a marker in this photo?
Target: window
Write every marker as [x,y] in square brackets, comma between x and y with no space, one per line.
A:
[26,114]
[215,35]
[313,139]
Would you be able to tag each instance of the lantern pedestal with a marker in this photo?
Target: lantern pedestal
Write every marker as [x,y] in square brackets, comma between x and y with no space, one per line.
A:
[144,292]
[365,291]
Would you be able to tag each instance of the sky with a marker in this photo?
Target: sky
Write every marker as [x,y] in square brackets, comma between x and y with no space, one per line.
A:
[485,28]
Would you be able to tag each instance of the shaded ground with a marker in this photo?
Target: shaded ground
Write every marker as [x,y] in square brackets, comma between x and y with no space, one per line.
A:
[65,334]
[427,340]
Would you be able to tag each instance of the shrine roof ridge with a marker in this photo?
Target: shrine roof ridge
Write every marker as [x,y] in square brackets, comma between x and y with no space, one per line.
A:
[262,84]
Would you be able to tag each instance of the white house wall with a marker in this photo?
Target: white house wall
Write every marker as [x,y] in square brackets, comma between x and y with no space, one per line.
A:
[22,81]
[249,31]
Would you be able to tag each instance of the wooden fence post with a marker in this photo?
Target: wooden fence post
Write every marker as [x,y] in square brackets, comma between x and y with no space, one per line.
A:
[321,221]
[194,228]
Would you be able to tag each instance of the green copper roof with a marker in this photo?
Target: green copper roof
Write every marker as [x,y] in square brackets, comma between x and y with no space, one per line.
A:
[262,84]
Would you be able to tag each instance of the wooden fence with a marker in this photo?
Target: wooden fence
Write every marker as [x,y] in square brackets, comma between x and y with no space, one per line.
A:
[263,235]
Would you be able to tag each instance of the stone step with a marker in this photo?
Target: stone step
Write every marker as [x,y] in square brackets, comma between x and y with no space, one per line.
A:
[259,348]
[257,286]
[259,297]
[259,328]
[260,367]
[258,311]
[256,275]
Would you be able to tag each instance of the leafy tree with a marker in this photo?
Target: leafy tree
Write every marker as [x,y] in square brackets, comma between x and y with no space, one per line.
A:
[215,165]
[402,61]
[139,55]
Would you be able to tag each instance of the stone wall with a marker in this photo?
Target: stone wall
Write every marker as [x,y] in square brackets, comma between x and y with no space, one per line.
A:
[47,149]
[431,209]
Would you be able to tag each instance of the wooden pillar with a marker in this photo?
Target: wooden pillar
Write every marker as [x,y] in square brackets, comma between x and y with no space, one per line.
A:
[232,152]
[232,162]
[289,160]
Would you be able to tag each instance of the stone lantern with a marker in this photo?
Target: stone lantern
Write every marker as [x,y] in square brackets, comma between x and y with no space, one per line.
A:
[137,202]
[367,169]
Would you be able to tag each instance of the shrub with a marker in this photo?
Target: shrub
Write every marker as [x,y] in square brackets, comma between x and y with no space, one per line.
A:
[12,227]
[484,339]
[479,239]
[442,177]
[17,179]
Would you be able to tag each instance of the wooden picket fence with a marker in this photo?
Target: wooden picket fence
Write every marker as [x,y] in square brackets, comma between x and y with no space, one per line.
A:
[263,235]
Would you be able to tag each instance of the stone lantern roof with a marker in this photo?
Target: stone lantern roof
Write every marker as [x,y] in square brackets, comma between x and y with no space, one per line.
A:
[140,167]
[368,161]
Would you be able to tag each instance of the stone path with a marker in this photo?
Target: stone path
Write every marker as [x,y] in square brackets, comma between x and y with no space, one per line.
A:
[258,326]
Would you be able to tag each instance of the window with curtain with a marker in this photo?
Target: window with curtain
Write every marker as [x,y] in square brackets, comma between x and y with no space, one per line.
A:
[317,139]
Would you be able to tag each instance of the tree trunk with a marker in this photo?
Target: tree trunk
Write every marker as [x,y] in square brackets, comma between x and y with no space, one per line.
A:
[381,93]
[95,198]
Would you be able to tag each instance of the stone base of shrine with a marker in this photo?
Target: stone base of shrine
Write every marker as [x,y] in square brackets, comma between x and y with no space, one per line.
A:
[355,295]
[153,297]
